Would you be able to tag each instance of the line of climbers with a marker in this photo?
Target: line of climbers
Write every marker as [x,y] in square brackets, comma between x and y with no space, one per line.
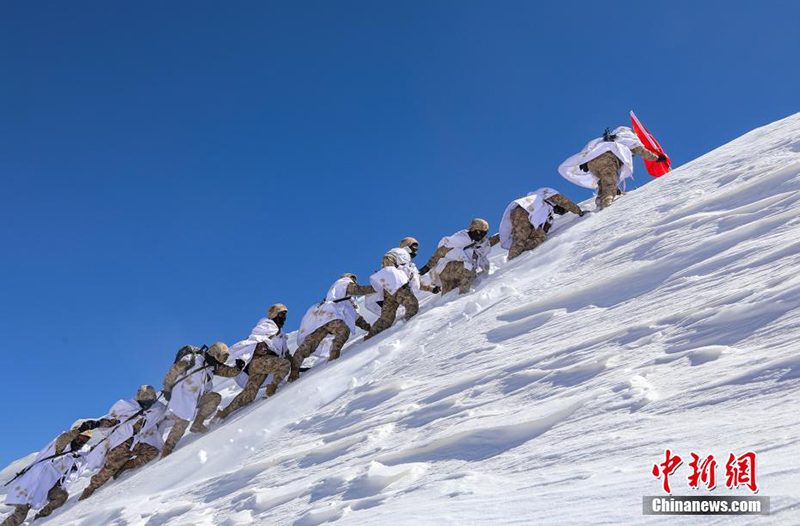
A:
[133,429]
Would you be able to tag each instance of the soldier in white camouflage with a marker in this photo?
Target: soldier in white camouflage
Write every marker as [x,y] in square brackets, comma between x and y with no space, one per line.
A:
[401,258]
[263,363]
[269,357]
[134,451]
[193,377]
[606,168]
[460,257]
[339,303]
[525,236]
[606,161]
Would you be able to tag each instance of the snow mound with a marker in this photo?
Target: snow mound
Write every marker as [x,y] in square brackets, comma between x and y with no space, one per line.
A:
[546,394]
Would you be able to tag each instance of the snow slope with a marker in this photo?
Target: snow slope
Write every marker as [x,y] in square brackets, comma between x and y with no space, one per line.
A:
[547,394]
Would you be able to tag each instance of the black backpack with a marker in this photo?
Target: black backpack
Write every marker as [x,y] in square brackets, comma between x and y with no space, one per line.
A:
[187,350]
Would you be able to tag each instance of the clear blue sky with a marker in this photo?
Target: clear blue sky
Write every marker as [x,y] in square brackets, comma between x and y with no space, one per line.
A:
[170,169]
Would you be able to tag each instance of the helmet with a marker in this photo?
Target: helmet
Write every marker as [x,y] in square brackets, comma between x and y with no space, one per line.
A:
[276,309]
[219,351]
[145,393]
[352,277]
[478,225]
[408,241]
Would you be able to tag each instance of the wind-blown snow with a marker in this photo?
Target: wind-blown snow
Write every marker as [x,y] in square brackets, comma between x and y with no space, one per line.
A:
[546,395]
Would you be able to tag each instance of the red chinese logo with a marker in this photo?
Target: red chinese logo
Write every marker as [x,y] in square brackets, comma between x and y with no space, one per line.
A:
[705,472]
[739,471]
[666,468]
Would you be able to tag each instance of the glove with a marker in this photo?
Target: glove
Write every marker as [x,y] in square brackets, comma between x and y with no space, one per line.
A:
[436,289]
[240,364]
[424,270]
[584,167]
[580,214]
[661,158]
[167,394]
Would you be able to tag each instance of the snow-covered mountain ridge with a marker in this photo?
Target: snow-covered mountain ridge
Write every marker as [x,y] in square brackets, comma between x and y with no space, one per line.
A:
[544,396]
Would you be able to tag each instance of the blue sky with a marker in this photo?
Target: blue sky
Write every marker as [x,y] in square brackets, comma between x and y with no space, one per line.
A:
[170,169]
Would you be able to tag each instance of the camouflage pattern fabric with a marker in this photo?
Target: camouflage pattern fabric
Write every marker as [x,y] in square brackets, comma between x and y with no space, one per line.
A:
[260,367]
[439,254]
[456,276]
[226,371]
[66,437]
[606,168]
[18,516]
[206,405]
[176,371]
[641,151]
[405,297]
[354,289]
[141,455]
[56,497]
[443,250]
[337,328]
[115,459]
[175,434]
[523,235]
[388,260]
[363,324]
[565,203]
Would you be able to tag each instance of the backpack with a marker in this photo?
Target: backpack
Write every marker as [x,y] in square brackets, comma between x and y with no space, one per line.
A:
[189,350]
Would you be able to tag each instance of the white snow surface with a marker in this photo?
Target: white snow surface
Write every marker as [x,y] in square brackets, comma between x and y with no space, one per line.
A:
[546,394]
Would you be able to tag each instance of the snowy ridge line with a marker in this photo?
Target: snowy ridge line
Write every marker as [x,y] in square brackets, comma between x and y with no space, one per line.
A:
[547,393]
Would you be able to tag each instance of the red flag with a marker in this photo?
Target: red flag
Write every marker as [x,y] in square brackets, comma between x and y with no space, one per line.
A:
[654,168]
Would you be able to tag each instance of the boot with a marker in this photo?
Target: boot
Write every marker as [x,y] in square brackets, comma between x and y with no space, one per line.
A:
[87,492]
[334,355]
[607,200]
[271,388]
[18,517]
[294,374]
[167,451]
[198,427]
